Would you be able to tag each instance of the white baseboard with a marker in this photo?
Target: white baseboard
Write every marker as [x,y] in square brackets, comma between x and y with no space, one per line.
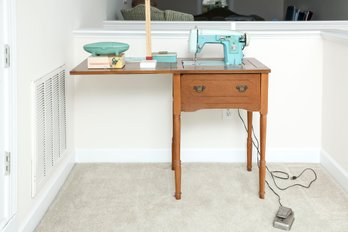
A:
[11,226]
[193,155]
[47,195]
[335,169]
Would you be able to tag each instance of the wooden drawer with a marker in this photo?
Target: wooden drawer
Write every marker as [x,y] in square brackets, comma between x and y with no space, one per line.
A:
[220,91]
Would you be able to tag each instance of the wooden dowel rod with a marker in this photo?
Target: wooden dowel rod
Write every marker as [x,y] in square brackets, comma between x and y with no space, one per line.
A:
[148,29]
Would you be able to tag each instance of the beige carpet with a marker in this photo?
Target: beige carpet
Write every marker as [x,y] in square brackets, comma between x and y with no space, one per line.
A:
[216,197]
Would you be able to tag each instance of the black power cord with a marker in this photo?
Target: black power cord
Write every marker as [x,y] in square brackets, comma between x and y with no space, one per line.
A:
[277,174]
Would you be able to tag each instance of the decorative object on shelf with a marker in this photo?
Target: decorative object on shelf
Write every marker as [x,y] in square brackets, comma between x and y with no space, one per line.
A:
[294,14]
[106,61]
[164,56]
[208,5]
[106,48]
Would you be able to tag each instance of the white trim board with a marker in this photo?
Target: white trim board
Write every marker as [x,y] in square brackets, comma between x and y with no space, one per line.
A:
[335,169]
[11,226]
[337,36]
[46,197]
[233,25]
[193,155]
[10,39]
[97,33]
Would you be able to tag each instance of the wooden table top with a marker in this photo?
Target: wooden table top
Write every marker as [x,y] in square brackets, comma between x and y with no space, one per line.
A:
[250,65]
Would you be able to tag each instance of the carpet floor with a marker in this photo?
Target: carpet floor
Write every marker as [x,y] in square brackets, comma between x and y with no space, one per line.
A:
[216,197]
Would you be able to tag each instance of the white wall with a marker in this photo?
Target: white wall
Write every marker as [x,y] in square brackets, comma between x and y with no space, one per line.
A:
[44,42]
[323,10]
[114,8]
[335,109]
[134,112]
[267,9]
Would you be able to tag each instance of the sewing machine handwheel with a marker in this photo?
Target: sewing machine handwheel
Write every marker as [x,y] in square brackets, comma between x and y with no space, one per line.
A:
[247,40]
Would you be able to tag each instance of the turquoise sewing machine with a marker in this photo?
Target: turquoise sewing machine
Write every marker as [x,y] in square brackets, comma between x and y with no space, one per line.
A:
[233,43]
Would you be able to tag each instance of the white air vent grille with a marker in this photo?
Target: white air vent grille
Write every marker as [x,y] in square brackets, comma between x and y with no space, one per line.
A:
[50,125]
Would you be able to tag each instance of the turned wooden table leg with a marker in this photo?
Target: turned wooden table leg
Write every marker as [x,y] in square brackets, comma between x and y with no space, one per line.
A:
[173,141]
[177,162]
[173,153]
[250,141]
[263,126]
[262,174]
[176,134]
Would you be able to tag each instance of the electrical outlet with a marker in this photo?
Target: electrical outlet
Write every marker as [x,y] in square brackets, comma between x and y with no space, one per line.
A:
[227,114]
[125,1]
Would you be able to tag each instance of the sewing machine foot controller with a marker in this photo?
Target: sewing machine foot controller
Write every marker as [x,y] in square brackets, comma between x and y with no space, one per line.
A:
[284,218]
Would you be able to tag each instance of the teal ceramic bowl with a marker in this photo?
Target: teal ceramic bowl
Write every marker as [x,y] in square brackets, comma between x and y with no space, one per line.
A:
[106,48]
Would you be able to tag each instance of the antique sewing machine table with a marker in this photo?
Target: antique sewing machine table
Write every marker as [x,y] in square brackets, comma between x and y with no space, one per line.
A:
[209,87]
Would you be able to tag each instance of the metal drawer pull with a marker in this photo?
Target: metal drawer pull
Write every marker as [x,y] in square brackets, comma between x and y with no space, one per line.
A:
[199,88]
[242,88]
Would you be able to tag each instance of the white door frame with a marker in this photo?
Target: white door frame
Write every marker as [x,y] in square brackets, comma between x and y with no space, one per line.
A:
[3,185]
[11,115]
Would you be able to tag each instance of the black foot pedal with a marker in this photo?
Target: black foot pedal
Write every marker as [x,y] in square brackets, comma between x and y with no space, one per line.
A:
[284,218]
